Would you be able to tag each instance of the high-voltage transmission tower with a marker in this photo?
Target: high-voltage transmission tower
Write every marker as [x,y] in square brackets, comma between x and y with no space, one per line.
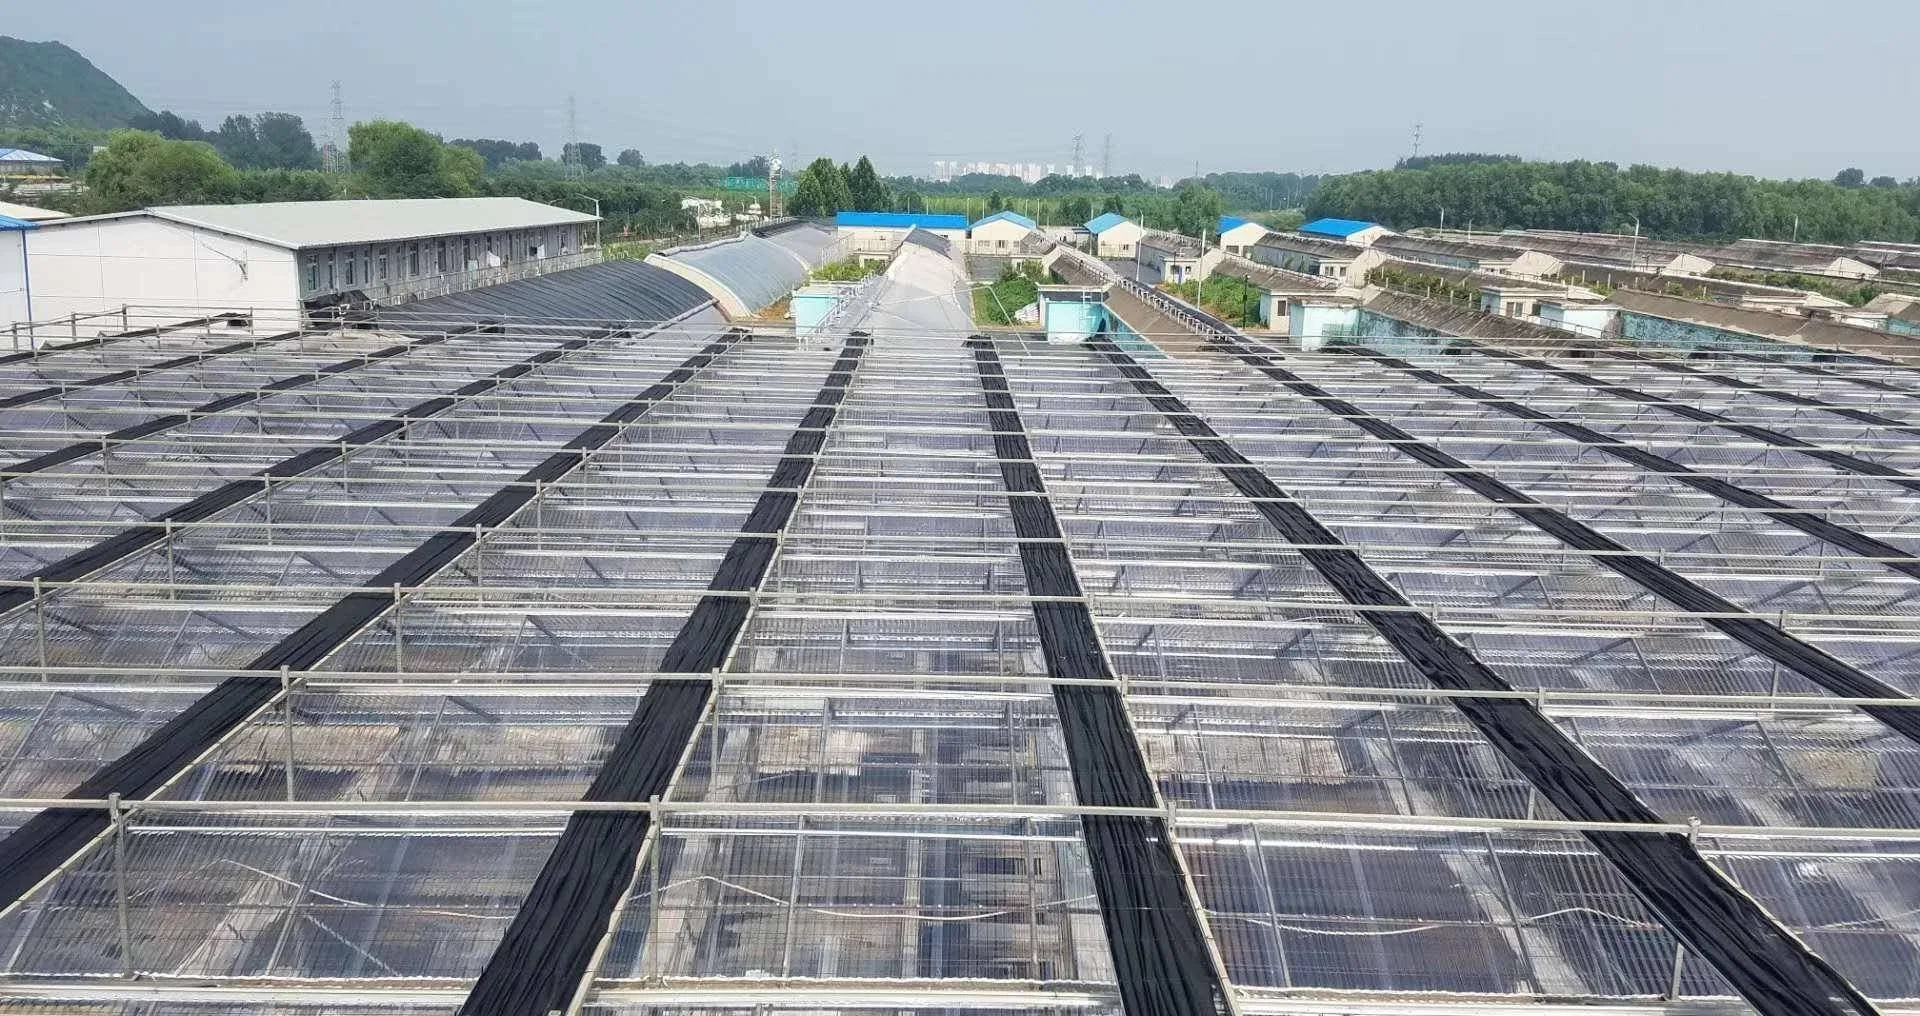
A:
[570,155]
[335,155]
[1106,156]
[1079,147]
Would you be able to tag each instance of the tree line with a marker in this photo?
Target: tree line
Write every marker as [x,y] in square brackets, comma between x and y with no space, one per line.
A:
[1602,197]
[385,159]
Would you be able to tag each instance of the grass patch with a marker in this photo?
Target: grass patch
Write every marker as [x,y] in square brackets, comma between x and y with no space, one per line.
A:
[1018,286]
[848,270]
[1235,301]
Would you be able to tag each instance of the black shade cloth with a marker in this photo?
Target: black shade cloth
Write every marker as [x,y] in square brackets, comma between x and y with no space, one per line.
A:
[1770,968]
[540,961]
[35,849]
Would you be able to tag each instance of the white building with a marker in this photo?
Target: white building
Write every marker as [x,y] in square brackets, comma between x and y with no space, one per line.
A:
[295,255]
[1115,236]
[1328,259]
[881,232]
[1000,233]
[1171,257]
[1239,235]
[16,299]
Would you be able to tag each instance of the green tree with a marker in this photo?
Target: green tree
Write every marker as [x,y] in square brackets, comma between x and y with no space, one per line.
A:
[1114,204]
[865,189]
[1076,210]
[909,201]
[996,202]
[140,169]
[822,190]
[1197,210]
[398,160]
[1850,177]
[287,185]
[285,142]
[586,155]
[631,157]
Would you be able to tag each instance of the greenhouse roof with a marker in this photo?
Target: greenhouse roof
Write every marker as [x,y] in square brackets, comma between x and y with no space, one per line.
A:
[906,668]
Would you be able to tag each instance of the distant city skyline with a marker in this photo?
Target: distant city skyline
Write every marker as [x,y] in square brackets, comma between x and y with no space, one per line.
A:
[1242,85]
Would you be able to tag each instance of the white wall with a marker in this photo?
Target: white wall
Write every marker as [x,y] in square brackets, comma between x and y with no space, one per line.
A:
[1000,237]
[13,279]
[90,267]
[1240,239]
[1119,241]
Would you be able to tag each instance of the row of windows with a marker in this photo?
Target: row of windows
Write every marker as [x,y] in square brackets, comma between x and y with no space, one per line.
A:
[348,269]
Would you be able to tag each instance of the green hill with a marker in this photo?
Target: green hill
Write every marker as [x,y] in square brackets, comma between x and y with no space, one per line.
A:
[46,84]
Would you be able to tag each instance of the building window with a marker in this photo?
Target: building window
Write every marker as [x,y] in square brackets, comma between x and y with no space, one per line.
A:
[466,254]
[347,270]
[331,285]
[440,256]
[313,273]
[413,259]
[383,264]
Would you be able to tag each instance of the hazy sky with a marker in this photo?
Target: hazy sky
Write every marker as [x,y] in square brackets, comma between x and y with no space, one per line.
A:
[1772,87]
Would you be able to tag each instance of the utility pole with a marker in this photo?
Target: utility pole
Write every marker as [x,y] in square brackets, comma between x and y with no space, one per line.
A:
[337,134]
[1106,157]
[571,153]
[1074,168]
[773,189]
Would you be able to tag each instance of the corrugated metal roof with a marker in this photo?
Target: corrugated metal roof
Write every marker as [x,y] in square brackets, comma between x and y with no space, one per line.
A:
[1014,217]
[756,270]
[10,223]
[617,291]
[22,155]
[301,224]
[899,220]
[1105,222]
[1339,229]
[1228,223]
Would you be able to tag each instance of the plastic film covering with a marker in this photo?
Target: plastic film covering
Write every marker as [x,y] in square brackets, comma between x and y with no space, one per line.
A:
[758,272]
[544,954]
[1764,962]
[1760,635]
[1813,525]
[1160,957]
[161,424]
[880,807]
[811,242]
[43,842]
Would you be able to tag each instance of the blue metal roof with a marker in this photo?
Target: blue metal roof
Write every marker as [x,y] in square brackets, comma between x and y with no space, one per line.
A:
[1338,229]
[899,220]
[22,155]
[1233,222]
[7,223]
[1105,222]
[1014,217]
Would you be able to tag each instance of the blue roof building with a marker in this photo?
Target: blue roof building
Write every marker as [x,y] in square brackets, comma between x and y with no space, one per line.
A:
[1105,222]
[1014,217]
[1345,230]
[7,223]
[1228,223]
[900,220]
